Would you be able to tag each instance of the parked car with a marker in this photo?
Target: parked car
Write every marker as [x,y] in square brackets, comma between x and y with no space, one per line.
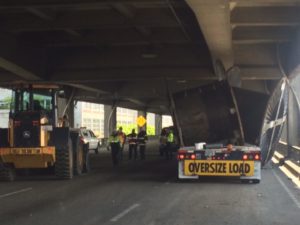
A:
[88,137]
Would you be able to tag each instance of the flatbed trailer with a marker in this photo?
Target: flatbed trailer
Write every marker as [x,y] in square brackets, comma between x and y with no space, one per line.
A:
[243,162]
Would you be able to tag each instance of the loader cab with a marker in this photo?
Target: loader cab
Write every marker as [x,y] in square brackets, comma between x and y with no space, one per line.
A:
[32,112]
[34,100]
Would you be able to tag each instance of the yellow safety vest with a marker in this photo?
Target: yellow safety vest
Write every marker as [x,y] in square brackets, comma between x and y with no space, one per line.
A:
[114,139]
[171,137]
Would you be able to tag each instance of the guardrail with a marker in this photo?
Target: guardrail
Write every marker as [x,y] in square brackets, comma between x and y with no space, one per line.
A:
[291,152]
[289,158]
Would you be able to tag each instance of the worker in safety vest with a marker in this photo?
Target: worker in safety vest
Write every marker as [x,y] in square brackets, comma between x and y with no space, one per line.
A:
[115,146]
[170,144]
[142,139]
[122,137]
[132,141]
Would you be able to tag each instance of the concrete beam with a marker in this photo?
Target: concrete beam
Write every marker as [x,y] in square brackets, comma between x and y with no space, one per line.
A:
[214,20]
[260,73]
[92,94]
[86,5]
[129,56]
[150,73]
[258,35]
[265,16]
[18,70]
[158,124]
[263,3]
[90,20]
[40,14]
[49,17]
[123,37]
[129,15]
[133,73]
[25,62]
[259,55]
[110,120]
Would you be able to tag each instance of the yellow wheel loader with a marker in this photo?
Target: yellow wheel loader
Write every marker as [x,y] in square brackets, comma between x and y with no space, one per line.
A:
[33,138]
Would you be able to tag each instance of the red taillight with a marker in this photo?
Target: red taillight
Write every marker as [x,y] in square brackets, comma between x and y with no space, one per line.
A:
[193,156]
[82,140]
[245,157]
[17,123]
[257,157]
[181,156]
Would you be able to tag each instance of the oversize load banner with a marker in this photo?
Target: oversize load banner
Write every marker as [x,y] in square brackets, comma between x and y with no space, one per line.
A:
[218,168]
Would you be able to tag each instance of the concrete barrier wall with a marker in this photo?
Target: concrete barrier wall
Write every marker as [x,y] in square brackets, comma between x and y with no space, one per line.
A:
[290,152]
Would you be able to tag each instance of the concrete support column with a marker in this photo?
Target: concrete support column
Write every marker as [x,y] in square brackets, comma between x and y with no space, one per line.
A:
[158,124]
[110,120]
[61,106]
[144,114]
[70,113]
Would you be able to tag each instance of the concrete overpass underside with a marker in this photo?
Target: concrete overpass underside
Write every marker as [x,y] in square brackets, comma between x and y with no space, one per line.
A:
[153,55]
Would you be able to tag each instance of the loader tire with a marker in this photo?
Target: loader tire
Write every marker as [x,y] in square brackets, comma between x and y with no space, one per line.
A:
[64,162]
[7,174]
[86,156]
[78,159]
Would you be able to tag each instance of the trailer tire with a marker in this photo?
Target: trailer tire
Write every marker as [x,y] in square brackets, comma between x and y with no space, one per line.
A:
[243,181]
[64,162]
[255,181]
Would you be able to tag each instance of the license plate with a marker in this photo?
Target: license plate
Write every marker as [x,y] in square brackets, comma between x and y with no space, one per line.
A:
[25,151]
[218,168]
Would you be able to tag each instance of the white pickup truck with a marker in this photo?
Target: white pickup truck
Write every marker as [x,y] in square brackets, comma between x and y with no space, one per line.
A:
[88,137]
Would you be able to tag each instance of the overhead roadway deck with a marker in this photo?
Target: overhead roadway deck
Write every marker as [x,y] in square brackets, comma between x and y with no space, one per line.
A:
[137,54]
[124,50]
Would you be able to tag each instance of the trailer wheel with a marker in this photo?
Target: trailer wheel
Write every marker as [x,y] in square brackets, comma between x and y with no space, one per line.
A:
[78,159]
[255,181]
[7,174]
[64,162]
[243,181]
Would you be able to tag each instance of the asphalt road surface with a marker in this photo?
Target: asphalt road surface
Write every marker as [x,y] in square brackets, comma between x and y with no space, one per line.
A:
[147,192]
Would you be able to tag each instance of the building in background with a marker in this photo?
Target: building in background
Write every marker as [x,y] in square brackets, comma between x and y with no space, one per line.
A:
[91,116]
[150,123]
[126,118]
[5,100]
[167,121]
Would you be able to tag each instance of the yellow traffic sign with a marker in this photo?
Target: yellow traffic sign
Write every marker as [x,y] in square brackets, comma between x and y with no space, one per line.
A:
[141,121]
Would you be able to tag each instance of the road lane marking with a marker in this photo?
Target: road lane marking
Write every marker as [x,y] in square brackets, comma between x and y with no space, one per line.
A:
[295,200]
[126,211]
[15,192]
